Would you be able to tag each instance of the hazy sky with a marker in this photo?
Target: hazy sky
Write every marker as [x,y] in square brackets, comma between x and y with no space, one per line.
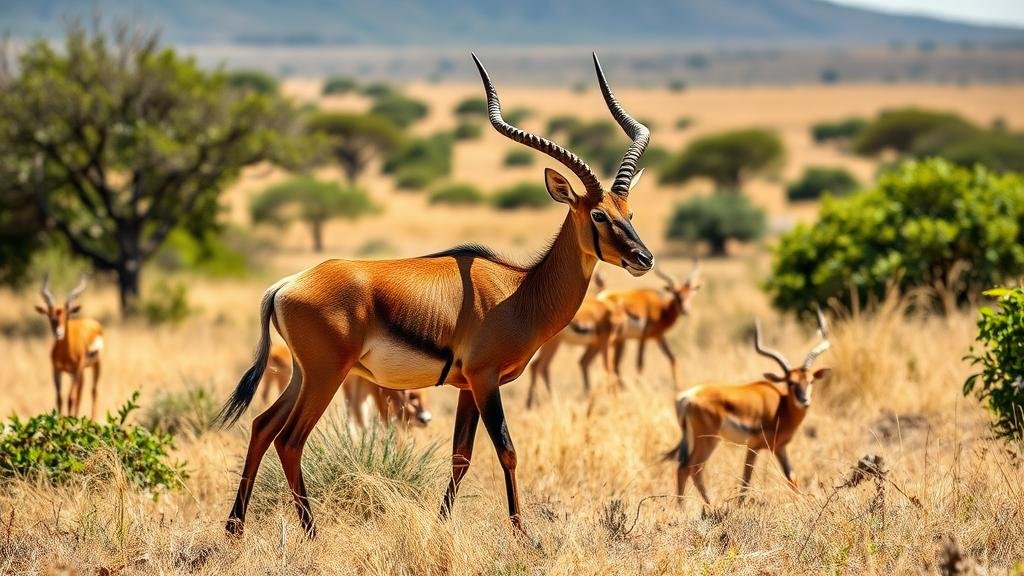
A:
[1007,12]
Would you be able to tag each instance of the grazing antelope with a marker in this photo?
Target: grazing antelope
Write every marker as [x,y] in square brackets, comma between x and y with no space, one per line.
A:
[464,317]
[77,345]
[591,328]
[401,405]
[644,314]
[760,415]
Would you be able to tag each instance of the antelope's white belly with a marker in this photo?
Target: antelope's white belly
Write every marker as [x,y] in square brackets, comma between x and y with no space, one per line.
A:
[632,327]
[394,364]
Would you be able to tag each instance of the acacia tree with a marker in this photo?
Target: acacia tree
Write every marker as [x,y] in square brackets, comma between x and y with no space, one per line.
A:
[727,158]
[315,202]
[356,139]
[117,142]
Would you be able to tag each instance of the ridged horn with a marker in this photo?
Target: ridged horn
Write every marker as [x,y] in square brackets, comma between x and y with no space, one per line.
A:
[637,132]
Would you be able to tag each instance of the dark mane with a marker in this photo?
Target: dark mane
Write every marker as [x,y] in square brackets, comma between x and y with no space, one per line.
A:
[473,250]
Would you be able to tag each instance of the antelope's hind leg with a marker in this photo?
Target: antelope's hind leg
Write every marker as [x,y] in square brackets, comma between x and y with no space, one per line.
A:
[467,415]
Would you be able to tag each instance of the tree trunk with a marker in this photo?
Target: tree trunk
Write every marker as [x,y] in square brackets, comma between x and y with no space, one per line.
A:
[128,285]
[717,245]
[317,228]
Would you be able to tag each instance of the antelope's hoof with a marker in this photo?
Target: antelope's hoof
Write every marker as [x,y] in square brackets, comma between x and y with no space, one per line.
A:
[234,527]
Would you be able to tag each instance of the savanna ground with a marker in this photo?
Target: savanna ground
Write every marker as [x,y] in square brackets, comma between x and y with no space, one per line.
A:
[595,490]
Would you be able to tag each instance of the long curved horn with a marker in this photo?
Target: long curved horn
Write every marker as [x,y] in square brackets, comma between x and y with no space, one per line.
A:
[76,292]
[825,344]
[766,351]
[45,292]
[570,160]
[668,278]
[637,132]
[694,273]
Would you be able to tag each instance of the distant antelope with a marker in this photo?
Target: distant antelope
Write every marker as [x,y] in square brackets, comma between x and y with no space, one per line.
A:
[77,345]
[760,415]
[464,317]
[591,328]
[644,314]
[392,405]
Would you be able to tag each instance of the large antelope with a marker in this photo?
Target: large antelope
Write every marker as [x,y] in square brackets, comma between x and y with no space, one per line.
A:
[644,314]
[591,328]
[77,345]
[464,317]
[761,415]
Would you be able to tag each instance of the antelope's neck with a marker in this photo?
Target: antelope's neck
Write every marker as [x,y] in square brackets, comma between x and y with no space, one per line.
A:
[554,289]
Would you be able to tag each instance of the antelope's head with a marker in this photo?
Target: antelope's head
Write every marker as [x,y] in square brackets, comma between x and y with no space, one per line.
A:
[58,314]
[799,380]
[602,219]
[682,292]
[415,409]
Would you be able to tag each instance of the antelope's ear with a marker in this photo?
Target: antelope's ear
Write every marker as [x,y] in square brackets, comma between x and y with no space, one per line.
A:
[822,373]
[74,310]
[773,377]
[42,309]
[559,188]
[636,178]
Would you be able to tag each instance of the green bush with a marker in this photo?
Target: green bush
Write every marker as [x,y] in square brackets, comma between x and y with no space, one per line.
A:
[60,449]
[211,254]
[474,106]
[433,153]
[918,227]
[253,80]
[190,411]
[377,90]
[468,131]
[401,110]
[818,180]
[354,471]
[167,305]
[716,219]
[415,178]
[999,351]
[317,202]
[904,129]
[519,157]
[684,122]
[522,195]
[340,85]
[563,123]
[456,194]
[995,150]
[726,158]
[846,129]
[517,116]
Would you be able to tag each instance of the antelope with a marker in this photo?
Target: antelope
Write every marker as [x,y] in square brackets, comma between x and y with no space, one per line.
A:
[403,406]
[77,345]
[644,314]
[465,317]
[760,415]
[591,328]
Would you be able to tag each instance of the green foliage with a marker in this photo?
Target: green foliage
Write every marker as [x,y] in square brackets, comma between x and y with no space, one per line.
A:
[456,195]
[522,195]
[818,180]
[716,219]
[996,150]
[210,254]
[353,140]
[999,351]
[354,471]
[908,129]
[517,116]
[841,130]
[120,142]
[377,90]
[473,106]
[190,411]
[432,154]
[167,305]
[925,224]
[254,80]
[677,85]
[726,158]
[316,202]
[684,122]
[562,124]
[337,85]
[415,177]
[401,110]
[468,131]
[61,449]
[519,157]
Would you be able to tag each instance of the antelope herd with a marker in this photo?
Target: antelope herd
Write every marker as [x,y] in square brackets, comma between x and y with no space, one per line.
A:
[383,331]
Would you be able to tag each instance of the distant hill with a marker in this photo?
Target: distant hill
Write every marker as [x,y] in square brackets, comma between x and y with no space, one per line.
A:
[448,22]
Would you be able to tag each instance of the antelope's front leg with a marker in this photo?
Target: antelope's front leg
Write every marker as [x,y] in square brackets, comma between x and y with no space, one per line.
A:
[466,418]
[57,386]
[748,471]
[488,402]
[787,468]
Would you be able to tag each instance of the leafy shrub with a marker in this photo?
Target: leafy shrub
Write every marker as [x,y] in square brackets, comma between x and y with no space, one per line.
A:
[846,129]
[415,177]
[995,150]
[726,158]
[522,195]
[167,305]
[340,85]
[518,157]
[190,411]
[210,254]
[924,224]
[433,153]
[818,180]
[999,351]
[254,81]
[353,140]
[684,122]
[59,448]
[563,123]
[377,90]
[716,219]
[401,110]
[467,131]
[902,130]
[516,116]
[474,106]
[456,194]
[356,472]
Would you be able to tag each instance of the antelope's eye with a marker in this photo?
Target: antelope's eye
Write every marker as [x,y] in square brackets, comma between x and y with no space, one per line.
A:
[599,216]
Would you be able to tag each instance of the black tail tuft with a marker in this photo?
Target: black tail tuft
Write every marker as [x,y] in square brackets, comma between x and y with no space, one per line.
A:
[243,394]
